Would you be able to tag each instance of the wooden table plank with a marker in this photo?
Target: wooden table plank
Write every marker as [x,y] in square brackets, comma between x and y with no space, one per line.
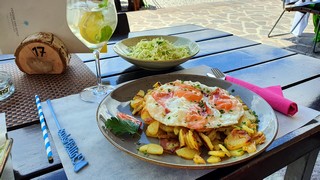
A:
[284,72]
[220,45]
[240,58]
[306,94]
[29,154]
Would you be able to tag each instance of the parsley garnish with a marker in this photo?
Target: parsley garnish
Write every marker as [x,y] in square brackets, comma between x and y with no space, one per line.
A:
[121,127]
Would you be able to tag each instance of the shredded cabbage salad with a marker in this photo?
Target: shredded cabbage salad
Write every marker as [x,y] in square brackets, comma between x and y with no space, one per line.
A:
[158,49]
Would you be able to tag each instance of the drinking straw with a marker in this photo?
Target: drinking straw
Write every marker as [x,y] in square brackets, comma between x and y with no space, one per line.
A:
[44,130]
[69,144]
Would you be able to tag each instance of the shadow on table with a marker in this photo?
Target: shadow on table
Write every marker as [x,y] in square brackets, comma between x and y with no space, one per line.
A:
[303,44]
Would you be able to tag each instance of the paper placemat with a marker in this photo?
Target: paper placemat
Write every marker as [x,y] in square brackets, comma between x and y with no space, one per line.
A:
[105,160]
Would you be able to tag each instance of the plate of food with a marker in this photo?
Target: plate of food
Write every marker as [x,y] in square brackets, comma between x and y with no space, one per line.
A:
[156,52]
[187,121]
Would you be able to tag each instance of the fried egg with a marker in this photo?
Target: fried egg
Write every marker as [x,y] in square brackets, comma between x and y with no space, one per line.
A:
[193,105]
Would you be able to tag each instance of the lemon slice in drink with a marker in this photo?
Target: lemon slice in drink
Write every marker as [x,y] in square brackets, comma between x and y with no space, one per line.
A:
[93,29]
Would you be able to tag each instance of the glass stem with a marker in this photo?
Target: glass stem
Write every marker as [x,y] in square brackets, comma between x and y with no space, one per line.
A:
[96,54]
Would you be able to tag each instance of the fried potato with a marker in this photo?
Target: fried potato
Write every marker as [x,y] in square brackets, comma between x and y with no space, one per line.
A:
[213,159]
[151,149]
[145,116]
[206,141]
[225,150]
[137,103]
[237,152]
[221,143]
[170,145]
[182,139]
[191,141]
[176,130]
[155,149]
[166,128]
[187,153]
[250,148]
[198,159]
[153,128]
[217,153]
[138,109]
[259,138]
[143,148]
[246,128]
[212,135]
[237,139]
[157,84]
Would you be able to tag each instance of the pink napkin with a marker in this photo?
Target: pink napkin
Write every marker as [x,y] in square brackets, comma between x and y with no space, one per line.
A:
[273,95]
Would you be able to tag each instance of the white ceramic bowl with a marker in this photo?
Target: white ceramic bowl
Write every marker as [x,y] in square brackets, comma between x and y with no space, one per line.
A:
[122,49]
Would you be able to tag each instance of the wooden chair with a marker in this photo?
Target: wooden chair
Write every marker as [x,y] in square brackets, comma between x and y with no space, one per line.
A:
[122,30]
[302,9]
[133,5]
[123,27]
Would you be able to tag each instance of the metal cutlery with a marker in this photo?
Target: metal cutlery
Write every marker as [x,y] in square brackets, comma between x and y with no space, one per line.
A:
[216,73]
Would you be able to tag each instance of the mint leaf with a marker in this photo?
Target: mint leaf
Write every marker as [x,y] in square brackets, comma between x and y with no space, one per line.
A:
[103,4]
[120,127]
[105,33]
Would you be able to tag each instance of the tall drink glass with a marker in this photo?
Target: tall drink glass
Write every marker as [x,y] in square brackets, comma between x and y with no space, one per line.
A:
[93,23]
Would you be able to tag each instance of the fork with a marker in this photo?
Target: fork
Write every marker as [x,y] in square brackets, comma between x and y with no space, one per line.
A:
[217,74]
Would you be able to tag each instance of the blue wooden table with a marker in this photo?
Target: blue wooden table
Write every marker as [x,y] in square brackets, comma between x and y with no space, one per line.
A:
[254,62]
